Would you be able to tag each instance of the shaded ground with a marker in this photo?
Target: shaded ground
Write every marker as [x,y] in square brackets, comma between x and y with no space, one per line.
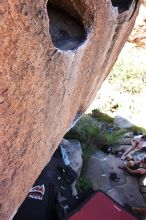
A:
[125,191]
[130,189]
[95,132]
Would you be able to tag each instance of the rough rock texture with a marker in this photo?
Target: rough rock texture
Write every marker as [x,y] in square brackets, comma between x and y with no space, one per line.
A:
[120,122]
[43,89]
[74,152]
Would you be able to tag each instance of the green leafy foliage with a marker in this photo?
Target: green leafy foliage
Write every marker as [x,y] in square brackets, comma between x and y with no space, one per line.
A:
[138,129]
[92,137]
[101,116]
[114,137]
[85,130]
[83,183]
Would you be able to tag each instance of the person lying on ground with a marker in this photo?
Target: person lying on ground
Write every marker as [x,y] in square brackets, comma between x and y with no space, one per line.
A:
[138,167]
[137,143]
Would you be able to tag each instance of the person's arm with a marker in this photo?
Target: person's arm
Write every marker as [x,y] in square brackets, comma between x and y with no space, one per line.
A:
[133,142]
[138,171]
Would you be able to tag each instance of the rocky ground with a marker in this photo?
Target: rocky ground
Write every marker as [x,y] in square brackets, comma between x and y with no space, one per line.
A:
[128,190]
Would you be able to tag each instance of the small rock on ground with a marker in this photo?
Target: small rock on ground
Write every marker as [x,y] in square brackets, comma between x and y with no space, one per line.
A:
[120,122]
[74,152]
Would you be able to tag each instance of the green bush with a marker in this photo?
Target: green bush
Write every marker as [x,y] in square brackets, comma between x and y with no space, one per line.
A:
[83,183]
[91,138]
[87,149]
[138,129]
[114,137]
[101,116]
[85,131]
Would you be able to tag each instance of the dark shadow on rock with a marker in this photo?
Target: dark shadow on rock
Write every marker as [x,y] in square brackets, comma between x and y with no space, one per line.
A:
[67,32]
[123,5]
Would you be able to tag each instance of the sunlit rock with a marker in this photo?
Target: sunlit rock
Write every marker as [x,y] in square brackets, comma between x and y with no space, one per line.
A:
[48,77]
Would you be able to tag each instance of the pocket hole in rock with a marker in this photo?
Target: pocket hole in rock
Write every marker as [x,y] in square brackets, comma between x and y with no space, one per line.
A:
[67,32]
[123,5]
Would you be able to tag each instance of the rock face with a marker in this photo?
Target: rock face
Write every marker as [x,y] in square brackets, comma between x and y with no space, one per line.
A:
[49,74]
[74,152]
[120,122]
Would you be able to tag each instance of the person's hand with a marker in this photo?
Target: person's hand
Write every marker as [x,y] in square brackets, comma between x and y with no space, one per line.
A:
[132,142]
[139,145]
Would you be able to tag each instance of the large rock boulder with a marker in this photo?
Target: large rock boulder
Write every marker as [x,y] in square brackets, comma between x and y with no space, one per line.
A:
[74,152]
[54,56]
[121,122]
